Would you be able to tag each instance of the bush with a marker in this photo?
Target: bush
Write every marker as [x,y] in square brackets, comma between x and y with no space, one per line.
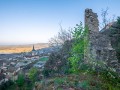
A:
[6,85]
[58,61]
[79,47]
[33,74]
[21,80]
[118,20]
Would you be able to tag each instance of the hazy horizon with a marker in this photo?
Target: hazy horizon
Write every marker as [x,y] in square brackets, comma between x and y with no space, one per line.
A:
[9,44]
[36,21]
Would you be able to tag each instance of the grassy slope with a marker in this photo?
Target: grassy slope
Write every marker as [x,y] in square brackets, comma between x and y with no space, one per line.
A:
[75,82]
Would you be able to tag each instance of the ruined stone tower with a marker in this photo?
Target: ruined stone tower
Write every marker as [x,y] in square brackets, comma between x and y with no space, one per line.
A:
[99,44]
[91,20]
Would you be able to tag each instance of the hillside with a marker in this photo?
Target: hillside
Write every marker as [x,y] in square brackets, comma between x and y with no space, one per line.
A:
[21,48]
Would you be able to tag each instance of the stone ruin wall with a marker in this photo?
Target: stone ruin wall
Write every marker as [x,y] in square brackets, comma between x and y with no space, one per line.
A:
[91,20]
[99,44]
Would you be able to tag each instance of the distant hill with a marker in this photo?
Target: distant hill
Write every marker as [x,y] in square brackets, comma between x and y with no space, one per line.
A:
[21,48]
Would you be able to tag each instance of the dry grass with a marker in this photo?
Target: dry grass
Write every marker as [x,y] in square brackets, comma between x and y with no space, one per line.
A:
[21,48]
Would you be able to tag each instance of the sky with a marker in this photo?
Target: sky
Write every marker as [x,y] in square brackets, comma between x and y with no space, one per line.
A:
[36,21]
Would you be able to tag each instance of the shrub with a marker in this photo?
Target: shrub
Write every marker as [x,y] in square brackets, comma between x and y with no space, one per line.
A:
[21,80]
[79,47]
[118,20]
[33,74]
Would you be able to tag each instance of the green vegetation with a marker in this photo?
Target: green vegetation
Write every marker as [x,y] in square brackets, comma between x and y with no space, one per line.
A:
[4,86]
[110,79]
[118,20]
[33,74]
[79,81]
[115,37]
[20,81]
[89,75]
[80,44]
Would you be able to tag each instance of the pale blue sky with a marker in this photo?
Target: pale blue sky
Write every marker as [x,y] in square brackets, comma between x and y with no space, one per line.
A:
[36,21]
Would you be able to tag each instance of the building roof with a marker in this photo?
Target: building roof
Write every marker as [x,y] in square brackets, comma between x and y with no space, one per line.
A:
[2,76]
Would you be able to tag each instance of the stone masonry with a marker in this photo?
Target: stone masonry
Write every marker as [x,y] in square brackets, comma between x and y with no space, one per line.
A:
[99,44]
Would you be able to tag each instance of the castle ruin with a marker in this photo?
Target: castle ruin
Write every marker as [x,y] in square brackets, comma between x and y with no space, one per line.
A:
[99,44]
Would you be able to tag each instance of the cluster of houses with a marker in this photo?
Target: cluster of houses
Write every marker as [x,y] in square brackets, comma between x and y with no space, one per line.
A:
[8,69]
[13,64]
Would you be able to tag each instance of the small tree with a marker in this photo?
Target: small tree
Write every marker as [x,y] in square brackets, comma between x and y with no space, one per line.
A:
[21,80]
[105,20]
[118,20]
[78,47]
[33,74]
[104,15]
[62,36]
